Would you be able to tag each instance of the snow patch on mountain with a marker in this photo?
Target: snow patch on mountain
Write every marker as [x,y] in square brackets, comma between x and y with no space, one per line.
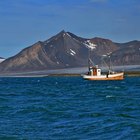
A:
[72,37]
[63,34]
[72,52]
[1,60]
[68,34]
[90,45]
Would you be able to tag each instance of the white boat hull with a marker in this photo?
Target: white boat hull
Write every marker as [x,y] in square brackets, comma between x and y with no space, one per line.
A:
[114,76]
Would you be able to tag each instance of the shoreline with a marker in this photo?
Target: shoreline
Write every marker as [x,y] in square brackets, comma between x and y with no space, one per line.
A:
[133,70]
[126,74]
[132,73]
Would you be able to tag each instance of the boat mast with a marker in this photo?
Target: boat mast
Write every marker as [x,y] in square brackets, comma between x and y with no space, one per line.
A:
[91,46]
[90,62]
[110,64]
[89,59]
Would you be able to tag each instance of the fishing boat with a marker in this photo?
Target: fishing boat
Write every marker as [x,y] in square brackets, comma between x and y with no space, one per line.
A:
[95,73]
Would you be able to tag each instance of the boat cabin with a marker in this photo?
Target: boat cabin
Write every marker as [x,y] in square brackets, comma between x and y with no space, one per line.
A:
[94,71]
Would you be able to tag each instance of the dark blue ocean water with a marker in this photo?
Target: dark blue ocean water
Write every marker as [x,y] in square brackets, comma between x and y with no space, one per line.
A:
[69,108]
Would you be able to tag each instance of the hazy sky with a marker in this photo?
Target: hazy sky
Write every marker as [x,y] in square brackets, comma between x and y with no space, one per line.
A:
[24,22]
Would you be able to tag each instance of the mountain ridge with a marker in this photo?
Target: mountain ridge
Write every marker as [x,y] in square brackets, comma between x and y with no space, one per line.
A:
[66,50]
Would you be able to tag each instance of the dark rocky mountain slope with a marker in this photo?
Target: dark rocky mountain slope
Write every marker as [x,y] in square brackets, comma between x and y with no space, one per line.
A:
[66,50]
[127,54]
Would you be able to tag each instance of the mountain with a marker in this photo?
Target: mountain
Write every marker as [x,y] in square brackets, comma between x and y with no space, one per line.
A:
[66,50]
[60,51]
[127,54]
